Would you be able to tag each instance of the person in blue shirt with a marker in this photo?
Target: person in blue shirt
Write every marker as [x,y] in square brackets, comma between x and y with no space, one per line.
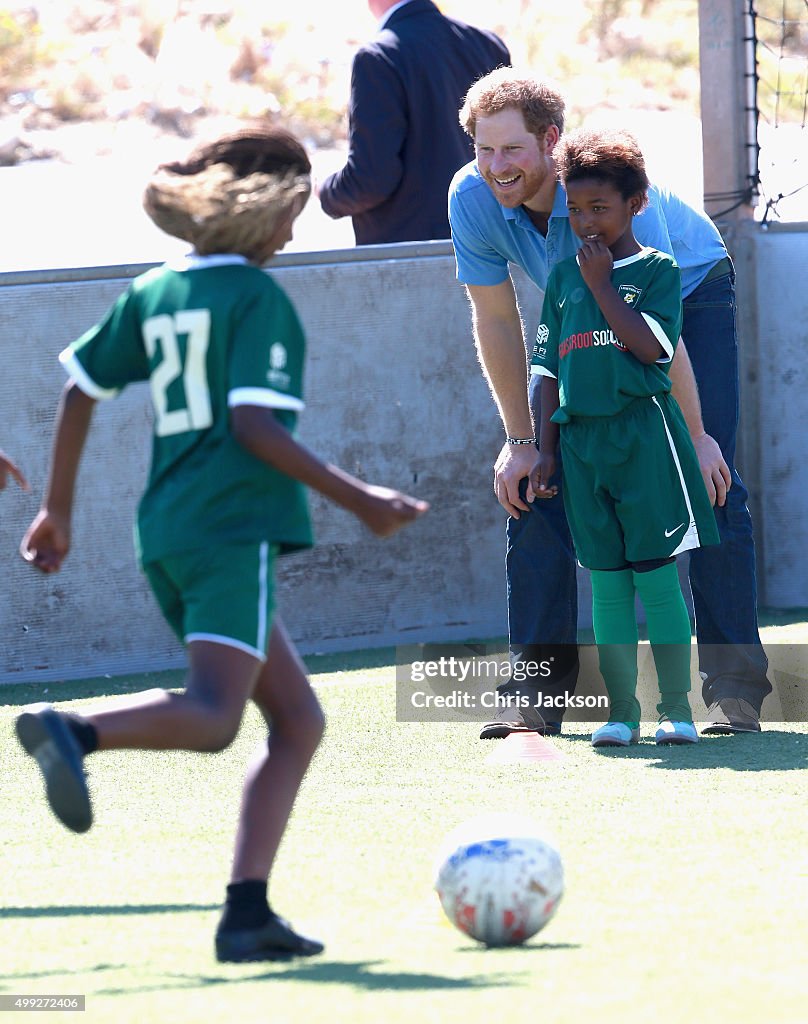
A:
[507,207]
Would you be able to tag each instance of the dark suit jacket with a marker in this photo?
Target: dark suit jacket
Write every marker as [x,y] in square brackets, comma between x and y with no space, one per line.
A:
[405,142]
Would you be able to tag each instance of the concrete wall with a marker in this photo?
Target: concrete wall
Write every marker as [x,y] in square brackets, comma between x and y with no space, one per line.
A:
[394,394]
[773,330]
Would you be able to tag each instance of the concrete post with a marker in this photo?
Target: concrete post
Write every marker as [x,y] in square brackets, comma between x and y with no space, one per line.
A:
[728,120]
[729,138]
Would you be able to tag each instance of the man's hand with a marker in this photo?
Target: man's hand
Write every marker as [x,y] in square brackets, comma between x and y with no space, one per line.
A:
[717,478]
[46,542]
[512,466]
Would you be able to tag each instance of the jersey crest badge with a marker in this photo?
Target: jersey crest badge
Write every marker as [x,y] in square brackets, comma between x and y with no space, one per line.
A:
[629,293]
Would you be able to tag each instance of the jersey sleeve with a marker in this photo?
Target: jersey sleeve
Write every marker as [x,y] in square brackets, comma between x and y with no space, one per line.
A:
[545,351]
[661,306]
[478,263]
[267,355]
[110,355]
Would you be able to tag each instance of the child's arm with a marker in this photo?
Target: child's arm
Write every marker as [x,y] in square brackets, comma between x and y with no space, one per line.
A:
[47,539]
[8,467]
[545,466]
[382,510]
[596,262]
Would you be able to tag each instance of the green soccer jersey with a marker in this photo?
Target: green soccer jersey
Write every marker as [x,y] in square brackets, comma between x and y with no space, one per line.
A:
[597,376]
[208,333]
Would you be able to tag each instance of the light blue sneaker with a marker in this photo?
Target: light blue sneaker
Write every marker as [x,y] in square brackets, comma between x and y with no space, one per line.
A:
[676,732]
[615,734]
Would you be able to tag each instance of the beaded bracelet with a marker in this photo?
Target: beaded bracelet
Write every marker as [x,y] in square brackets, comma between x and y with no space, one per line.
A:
[520,440]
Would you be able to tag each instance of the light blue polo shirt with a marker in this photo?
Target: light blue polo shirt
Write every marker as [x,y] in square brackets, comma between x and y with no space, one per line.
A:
[487,236]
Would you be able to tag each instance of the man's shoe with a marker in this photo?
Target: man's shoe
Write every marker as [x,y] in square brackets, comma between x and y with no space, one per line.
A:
[518,719]
[45,735]
[731,714]
[274,940]
[615,734]
[676,733]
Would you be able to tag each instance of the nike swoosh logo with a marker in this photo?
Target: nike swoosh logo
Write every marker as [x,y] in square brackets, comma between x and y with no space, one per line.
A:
[561,302]
[670,533]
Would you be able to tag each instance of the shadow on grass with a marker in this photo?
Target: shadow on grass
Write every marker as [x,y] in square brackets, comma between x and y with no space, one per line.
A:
[79,689]
[110,910]
[357,974]
[528,947]
[58,973]
[772,750]
[172,679]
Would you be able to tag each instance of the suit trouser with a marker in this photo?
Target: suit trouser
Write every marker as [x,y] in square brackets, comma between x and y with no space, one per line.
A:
[540,557]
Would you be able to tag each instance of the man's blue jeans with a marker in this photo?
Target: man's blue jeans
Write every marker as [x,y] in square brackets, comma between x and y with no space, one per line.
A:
[540,557]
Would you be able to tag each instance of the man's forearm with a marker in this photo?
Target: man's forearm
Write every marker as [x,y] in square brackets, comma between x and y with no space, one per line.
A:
[501,351]
[685,391]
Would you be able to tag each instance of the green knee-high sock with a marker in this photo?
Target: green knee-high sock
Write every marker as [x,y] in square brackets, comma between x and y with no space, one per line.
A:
[669,634]
[615,625]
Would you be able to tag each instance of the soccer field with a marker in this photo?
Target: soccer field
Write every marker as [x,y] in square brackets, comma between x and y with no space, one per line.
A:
[686,880]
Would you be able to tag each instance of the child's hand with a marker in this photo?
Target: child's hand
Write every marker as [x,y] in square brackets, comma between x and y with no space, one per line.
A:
[385,511]
[595,261]
[9,467]
[46,542]
[538,483]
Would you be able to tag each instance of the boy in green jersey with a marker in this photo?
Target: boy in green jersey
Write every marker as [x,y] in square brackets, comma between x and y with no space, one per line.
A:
[222,349]
[633,490]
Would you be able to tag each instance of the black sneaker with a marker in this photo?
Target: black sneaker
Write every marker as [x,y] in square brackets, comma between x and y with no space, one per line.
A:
[274,940]
[518,719]
[730,714]
[45,735]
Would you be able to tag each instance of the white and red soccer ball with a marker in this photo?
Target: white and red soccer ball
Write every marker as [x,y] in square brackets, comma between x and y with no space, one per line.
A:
[499,879]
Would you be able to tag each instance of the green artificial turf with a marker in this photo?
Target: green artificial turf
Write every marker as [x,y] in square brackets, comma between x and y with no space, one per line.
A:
[685,876]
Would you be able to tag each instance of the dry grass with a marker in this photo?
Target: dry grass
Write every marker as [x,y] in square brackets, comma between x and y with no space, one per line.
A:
[175,65]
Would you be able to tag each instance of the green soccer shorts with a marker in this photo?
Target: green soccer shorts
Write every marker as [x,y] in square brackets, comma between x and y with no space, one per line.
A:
[223,595]
[633,489]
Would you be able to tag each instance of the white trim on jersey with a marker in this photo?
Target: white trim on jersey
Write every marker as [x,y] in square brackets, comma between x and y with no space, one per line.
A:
[193,261]
[226,641]
[661,337]
[265,397]
[631,259]
[69,360]
[541,371]
[691,534]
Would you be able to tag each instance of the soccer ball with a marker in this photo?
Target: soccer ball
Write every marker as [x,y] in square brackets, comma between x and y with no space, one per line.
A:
[499,880]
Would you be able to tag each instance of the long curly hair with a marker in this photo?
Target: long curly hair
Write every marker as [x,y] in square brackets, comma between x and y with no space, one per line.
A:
[231,194]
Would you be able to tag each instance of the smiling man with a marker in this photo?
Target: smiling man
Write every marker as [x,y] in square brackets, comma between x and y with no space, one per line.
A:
[507,207]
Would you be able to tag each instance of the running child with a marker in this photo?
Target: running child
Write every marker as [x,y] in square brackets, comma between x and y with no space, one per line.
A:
[222,349]
[633,490]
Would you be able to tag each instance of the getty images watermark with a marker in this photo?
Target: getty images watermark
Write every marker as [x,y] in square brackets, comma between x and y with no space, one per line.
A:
[460,683]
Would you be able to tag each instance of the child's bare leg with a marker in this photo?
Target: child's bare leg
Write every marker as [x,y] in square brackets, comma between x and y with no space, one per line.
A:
[248,929]
[204,717]
[288,703]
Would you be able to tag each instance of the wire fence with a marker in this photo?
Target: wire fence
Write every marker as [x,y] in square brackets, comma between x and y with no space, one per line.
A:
[777,88]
